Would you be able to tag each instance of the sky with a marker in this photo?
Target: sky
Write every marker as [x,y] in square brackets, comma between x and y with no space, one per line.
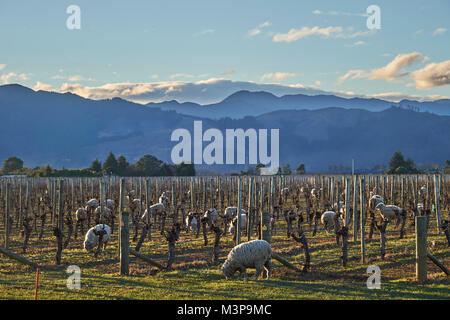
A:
[150,50]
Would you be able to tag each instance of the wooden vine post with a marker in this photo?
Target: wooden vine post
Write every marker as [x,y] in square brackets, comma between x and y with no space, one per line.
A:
[361,223]
[347,201]
[421,248]
[250,213]
[124,233]
[60,227]
[238,226]
[437,207]
[7,214]
[355,209]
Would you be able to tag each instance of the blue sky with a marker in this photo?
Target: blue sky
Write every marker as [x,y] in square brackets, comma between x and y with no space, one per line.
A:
[167,42]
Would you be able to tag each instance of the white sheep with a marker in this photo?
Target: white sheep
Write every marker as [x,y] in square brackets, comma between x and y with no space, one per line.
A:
[230,212]
[253,254]
[327,220]
[191,222]
[423,191]
[91,204]
[110,204]
[211,216]
[388,212]
[164,199]
[81,214]
[105,215]
[375,200]
[92,236]
[234,223]
[285,192]
[420,208]
[315,193]
[155,210]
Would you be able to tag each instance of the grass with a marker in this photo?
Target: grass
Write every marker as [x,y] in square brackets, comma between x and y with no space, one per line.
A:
[194,277]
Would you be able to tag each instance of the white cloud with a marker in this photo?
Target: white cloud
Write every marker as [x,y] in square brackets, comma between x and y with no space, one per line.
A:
[340,13]
[2,66]
[318,82]
[227,73]
[181,75]
[439,31]
[352,74]
[204,32]
[296,34]
[359,43]
[43,86]
[391,71]
[12,76]
[257,30]
[278,76]
[432,75]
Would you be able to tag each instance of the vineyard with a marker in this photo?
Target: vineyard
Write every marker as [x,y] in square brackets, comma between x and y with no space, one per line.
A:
[176,251]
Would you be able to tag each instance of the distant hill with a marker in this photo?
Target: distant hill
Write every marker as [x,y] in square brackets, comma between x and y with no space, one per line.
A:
[245,103]
[67,130]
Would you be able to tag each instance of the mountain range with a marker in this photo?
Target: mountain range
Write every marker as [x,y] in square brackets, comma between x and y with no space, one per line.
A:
[66,130]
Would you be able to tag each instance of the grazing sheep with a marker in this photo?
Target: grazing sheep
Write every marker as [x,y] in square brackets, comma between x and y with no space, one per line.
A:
[110,204]
[91,204]
[211,216]
[103,216]
[423,190]
[285,192]
[191,222]
[92,236]
[374,200]
[327,220]
[234,223]
[388,212]
[230,212]
[155,210]
[81,214]
[315,193]
[420,208]
[253,254]
[164,199]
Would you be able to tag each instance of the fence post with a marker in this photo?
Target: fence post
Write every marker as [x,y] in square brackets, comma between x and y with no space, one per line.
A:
[124,233]
[7,212]
[355,208]
[421,248]
[238,226]
[437,207]
[361,223]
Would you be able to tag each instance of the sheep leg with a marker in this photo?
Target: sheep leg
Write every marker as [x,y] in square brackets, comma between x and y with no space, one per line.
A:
[259,268]
[268,268]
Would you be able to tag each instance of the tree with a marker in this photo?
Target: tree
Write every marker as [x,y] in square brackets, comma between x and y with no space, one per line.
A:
[398,165]
[185,169]
[396,161]
[122,165]
[12,164]
[447,163]
[286,169]
[301,169]
[110,164]
[96,166]
[148,165]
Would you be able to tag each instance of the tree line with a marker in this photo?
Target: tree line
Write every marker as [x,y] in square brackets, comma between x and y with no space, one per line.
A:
[147,165]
